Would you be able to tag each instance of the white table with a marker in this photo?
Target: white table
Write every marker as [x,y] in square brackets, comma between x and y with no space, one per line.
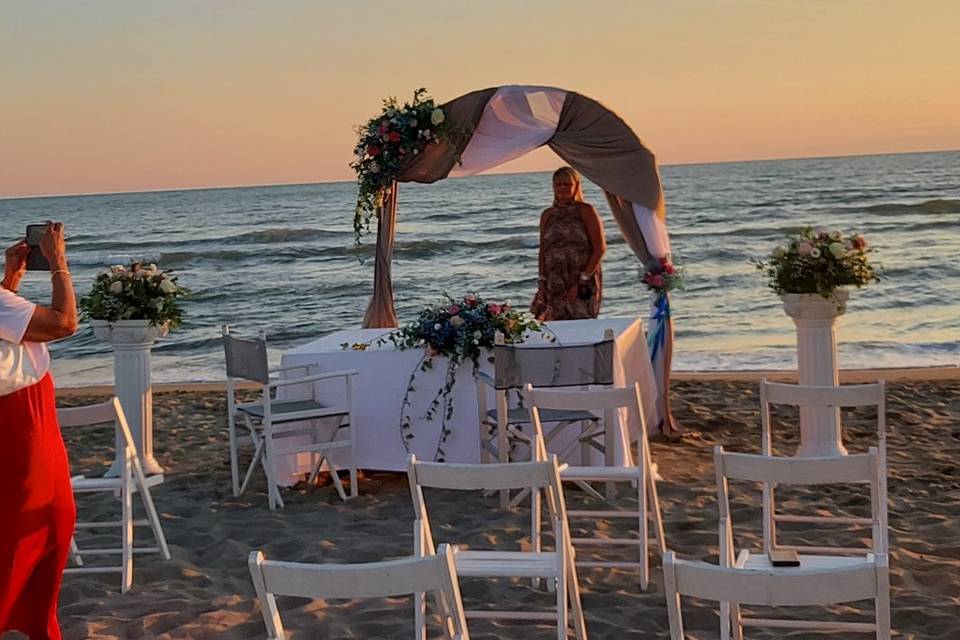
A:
[384,372]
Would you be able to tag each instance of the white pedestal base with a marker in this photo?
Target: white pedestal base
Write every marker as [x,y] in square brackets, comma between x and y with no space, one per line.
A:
[132,341]
[814,316]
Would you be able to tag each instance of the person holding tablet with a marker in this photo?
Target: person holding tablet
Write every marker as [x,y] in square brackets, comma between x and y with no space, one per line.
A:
[37,511]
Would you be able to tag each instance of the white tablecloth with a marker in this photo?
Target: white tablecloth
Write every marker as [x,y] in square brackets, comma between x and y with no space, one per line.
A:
[384,372]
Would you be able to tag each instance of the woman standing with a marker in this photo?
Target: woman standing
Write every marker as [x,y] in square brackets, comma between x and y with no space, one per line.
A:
[572,243]
[36,501]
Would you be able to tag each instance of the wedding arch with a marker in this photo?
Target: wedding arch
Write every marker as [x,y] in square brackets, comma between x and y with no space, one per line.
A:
[503,123]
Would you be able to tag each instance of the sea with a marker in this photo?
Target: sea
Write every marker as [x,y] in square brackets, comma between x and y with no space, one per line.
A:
[283,259]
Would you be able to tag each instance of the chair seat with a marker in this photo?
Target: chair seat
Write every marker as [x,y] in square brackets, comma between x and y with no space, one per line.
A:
[759,561]
[506,564]
[297,410]
[520,415]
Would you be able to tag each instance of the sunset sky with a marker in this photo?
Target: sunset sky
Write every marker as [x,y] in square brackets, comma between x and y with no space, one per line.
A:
[104,96]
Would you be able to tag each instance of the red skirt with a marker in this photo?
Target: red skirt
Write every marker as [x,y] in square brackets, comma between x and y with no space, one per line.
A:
[37,513]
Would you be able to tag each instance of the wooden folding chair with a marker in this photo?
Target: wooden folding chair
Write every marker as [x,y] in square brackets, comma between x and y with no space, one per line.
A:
[131,480]
[861,395]
[611,404]
[542,365]
[556,566]
[779,587]
[768,471]
[435,574]
[247,360]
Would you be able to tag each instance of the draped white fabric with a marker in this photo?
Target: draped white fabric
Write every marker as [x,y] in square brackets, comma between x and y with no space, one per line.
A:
[516,120]
[654,231]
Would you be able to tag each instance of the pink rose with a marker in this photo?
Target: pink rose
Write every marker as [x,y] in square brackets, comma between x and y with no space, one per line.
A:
[859,242]
[805,248]
[656,280]
[493,308]
[453,309]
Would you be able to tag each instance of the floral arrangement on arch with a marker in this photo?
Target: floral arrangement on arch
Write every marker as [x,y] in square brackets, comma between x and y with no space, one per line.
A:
[458,329]
[664,276]
[819,261]
[389,140]
[135,292]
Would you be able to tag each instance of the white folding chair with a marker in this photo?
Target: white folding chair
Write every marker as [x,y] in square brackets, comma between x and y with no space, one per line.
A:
[556,566]
[247,360]
[862,395]
[779,587]
[131,480]
[768,471]
[610,403]
[542,365]
[435,574]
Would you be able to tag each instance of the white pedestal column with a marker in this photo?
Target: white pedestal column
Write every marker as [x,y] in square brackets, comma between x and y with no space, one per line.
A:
[132,341]
[814,316]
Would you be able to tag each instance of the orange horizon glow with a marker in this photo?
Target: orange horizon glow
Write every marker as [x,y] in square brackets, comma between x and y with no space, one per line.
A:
[177,95]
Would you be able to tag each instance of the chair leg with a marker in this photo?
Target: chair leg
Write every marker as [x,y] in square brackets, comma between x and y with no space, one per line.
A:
[653,498]
[736,621]
[336,478]
[75,556]
[234,462]
[643,532]
[147,498]
[563,616]
[126,536]
[536,538]
[883,603]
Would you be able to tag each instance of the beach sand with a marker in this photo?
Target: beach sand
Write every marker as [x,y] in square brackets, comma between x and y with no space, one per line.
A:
[205,590]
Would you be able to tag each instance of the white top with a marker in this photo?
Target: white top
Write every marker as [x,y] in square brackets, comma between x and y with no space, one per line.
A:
[21,363]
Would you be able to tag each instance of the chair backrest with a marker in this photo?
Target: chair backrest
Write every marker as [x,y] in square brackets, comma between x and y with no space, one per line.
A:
[608,402]
[246,358]
[771,471]
[434,574]
[108,414]
[798,587]
[552,365]
[536,475]
[808,396]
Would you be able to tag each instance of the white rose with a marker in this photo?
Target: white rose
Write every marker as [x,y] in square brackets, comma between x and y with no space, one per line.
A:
[436,327]
[437,117]
[836,249]
[814,253]
[836,235]
[168,286]
[116,286]
[456,322]
[779,251]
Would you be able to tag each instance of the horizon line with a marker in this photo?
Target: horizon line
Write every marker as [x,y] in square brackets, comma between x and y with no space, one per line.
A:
[482,174]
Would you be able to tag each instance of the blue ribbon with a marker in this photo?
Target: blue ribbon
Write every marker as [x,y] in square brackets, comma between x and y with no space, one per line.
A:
[657,336]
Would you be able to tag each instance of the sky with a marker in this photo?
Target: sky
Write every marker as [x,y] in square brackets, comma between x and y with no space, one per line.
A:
[106,96]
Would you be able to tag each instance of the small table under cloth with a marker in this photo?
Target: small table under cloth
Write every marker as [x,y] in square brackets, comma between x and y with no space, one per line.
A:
[383,373]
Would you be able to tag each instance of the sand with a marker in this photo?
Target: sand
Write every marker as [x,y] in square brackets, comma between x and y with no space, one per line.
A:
[205,590]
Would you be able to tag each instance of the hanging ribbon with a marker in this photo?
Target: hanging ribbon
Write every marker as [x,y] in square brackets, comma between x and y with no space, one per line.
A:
[656,345]
[657,336]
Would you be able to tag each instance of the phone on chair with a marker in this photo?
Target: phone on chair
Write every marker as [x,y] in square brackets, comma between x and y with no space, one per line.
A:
[36,261]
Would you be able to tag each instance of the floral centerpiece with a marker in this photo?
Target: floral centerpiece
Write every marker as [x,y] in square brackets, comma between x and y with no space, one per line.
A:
[135,292]
[389,140]
[663,277]
[819,262]
[458,329]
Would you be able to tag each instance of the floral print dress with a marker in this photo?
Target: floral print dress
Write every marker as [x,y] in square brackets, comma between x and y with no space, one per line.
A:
[565,249]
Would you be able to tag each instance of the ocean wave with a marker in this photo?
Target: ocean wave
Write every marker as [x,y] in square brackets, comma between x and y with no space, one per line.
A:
[937,206]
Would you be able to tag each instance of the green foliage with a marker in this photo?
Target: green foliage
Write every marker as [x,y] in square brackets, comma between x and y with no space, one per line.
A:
[135,292]
[819,262]
[389,141]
